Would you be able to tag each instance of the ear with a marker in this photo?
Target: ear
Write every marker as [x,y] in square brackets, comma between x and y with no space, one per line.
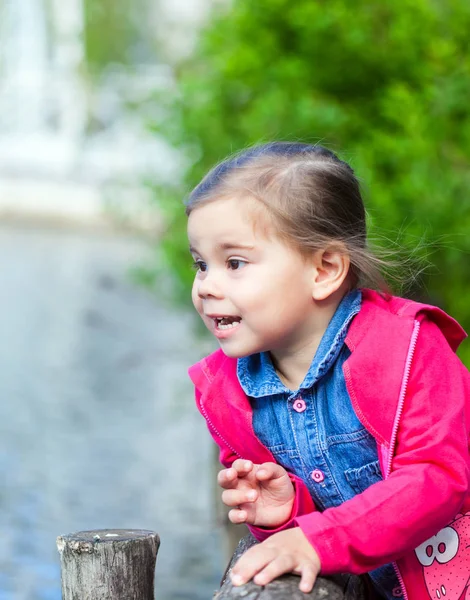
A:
[331,267]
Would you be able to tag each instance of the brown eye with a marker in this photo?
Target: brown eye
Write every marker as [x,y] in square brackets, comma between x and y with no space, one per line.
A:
[199,265]
[235,263]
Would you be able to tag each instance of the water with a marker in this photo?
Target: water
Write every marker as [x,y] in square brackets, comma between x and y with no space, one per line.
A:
[98,428]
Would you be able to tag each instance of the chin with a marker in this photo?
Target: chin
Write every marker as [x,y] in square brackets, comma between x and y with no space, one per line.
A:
[233,353]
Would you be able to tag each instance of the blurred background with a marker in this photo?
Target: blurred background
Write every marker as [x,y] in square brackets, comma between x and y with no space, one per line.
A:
[110,111]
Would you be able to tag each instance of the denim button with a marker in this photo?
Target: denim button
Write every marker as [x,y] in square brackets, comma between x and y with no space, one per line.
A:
[396,592]
[299,405]
[317,476]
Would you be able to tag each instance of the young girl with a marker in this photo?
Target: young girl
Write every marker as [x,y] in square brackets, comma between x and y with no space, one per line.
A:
[342,414]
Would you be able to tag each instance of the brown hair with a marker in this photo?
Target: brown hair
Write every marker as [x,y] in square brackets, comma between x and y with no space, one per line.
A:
[312,197]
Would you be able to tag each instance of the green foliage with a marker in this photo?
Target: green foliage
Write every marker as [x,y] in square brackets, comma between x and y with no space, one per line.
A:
[115,33]
[386,84]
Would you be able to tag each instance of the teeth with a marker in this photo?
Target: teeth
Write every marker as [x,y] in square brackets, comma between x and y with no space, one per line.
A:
[226,322]
[228,326]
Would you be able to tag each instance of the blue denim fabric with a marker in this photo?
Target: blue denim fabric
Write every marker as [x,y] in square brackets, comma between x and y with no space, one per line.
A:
[325,444]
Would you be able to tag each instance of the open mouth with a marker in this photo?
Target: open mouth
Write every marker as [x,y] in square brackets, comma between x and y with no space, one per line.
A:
[222,323]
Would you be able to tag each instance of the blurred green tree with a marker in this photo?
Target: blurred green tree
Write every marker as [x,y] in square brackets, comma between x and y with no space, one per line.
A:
[118,32]
[385,84]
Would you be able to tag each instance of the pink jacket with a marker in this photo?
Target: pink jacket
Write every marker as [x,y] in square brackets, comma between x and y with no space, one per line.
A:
[412,393]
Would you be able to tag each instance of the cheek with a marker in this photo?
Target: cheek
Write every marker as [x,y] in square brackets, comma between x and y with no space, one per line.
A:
[285,301]
[195,298]
[282,288]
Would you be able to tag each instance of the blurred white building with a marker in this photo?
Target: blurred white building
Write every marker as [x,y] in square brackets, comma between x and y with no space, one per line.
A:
[55,162]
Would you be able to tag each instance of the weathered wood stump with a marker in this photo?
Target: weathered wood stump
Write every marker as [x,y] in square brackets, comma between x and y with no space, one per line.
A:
[287,587]
[108,564]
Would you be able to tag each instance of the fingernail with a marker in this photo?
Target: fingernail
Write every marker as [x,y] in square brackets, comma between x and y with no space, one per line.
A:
[247,464]
[237,579]
[251,495]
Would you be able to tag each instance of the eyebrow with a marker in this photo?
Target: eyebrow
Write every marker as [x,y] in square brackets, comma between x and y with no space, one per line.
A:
[227,246]
[232,246]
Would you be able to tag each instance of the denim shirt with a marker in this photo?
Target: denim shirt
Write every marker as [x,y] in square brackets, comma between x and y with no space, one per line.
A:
[313,431]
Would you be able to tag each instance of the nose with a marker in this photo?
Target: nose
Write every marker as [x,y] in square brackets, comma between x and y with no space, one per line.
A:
[208,286]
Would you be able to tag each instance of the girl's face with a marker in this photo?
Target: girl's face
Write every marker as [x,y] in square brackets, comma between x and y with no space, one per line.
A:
[253,292]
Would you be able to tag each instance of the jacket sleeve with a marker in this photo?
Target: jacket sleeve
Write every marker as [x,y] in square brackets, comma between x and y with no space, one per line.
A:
[430,471]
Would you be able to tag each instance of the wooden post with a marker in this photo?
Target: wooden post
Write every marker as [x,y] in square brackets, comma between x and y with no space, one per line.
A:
[342,587]
[108,564]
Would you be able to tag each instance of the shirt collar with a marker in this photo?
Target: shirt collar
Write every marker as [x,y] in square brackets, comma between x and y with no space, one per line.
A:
[256,372]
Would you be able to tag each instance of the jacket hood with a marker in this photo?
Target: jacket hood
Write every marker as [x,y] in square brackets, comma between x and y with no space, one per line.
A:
[403,307]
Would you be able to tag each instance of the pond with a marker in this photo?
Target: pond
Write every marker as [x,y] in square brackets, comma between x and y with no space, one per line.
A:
[98,428]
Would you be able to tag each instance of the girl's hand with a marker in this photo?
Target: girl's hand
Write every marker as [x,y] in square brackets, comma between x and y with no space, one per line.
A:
[284,552]
[261,495]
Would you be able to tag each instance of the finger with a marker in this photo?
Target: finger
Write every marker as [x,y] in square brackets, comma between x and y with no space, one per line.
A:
[237,516]
[307,579]
[227,478]
[242,467]
[269,471]
[276,567]
[237,497]
[250,563]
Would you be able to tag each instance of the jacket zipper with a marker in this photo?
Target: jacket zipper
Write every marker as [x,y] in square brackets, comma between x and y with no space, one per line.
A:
[401,401]
[214,429]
